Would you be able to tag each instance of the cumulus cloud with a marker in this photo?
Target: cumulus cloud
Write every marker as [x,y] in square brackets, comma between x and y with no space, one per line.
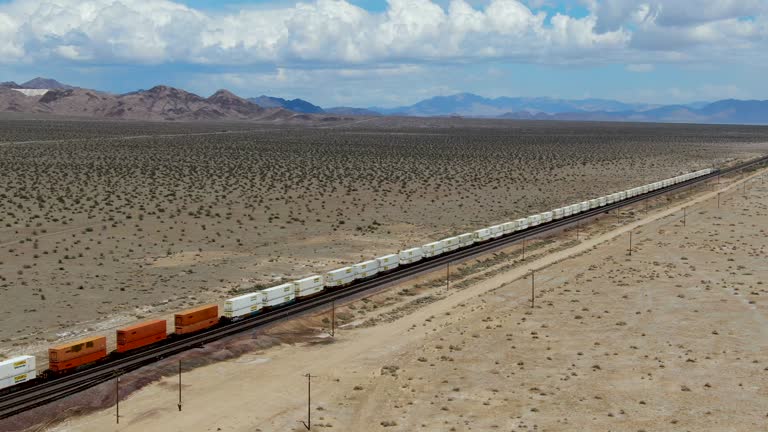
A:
[336,33]
[615,13]
[322,31]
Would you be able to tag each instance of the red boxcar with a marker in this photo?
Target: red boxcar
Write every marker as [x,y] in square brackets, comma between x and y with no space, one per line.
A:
[196,315]
[192,328]
[77,353]
[139,335]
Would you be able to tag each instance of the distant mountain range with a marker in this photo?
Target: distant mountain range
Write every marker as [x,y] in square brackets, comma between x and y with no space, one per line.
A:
[37,84]
[157,103]
[470,105]
[297,105]
[730,111]
[168,103]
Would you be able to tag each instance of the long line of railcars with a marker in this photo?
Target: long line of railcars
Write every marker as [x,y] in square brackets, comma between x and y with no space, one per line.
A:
[74,355]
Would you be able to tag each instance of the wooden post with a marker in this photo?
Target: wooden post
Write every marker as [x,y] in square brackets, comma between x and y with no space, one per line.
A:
[117,397]
[179,405]
[308,424]
[533,288]
[524,248]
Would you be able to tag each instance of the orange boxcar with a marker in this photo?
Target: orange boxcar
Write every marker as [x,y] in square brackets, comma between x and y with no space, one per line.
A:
[196,315]
[140,335]
[191,328]
[77,353]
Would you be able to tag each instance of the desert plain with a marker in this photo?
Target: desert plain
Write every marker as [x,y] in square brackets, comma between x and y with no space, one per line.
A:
[671,337]
[131,220]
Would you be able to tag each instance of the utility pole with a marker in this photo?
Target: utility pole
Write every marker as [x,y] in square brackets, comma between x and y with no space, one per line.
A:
[524,248]
[684,215]
[718,200]
[117,397]
[333,319]
[533,287]
[630,242]
[308,424]
[578,224]
[179,405]
[448,275]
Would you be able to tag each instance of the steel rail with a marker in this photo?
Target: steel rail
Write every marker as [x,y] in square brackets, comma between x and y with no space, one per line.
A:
[48,391]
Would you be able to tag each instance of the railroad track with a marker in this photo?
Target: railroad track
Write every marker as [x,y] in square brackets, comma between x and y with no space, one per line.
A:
[48,391]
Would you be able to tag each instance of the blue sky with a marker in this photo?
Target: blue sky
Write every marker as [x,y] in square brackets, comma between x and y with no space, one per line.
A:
[397,52]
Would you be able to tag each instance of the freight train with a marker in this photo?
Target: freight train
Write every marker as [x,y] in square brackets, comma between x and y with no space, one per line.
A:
[72,356]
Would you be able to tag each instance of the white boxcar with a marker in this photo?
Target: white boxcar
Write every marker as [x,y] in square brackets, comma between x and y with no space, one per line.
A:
[308,286]
[17,379]
[366,269]
[308,283]
[584,206]
[622,195]
[482,235]
[575,208]
[340,276]
[17,366]
[467,239]
[243,305]
[432,249]
[410,255]
[546,217]
[278,294]
[603,200]
[522,224]
[558,213]
[509,227]
[450,244]
[388,262]
[567,211]
[594,203]
[496,231]
[534,220]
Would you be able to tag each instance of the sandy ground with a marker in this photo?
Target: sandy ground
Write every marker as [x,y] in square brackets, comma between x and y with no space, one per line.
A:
[673,337]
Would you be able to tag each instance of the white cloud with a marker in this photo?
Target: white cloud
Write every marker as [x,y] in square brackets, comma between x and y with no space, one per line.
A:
[321,31]
[613,14]
[338,34]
